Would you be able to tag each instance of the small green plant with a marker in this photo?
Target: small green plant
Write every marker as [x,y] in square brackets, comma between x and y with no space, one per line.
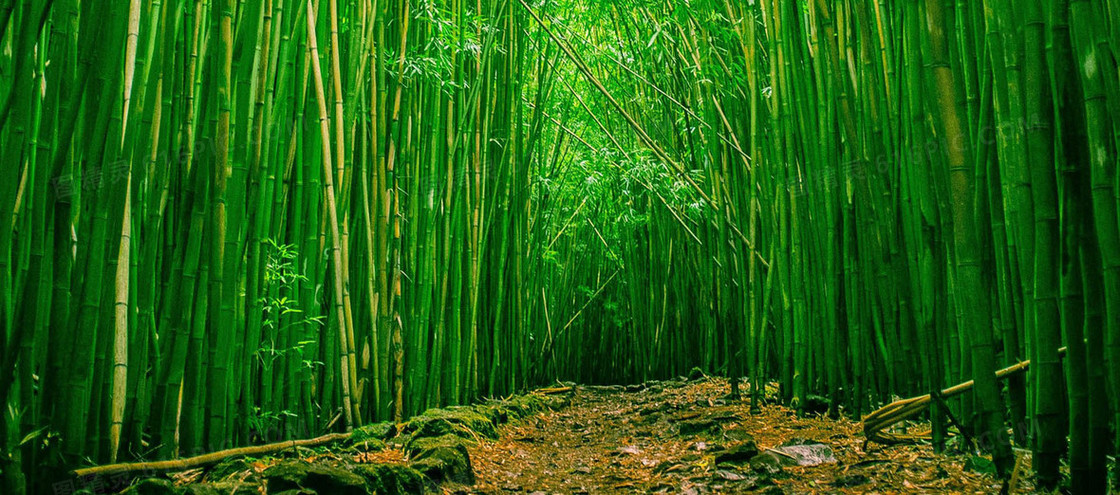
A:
[281,308]
[288,331]
[267,423]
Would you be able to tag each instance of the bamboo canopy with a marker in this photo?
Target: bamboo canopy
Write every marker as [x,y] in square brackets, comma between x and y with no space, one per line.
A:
[227,224]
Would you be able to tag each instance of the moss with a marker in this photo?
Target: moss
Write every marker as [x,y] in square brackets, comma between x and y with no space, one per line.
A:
[229,466]
[442,459]
[496,411]
[391,479]
[321,478]
[417,444]
[525,405]
[373,436]
[504,411]
[231,488]
[462,422]
[153,486]
[367,444]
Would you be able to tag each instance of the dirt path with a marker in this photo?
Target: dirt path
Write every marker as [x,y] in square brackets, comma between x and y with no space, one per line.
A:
[673,437]
[660,437]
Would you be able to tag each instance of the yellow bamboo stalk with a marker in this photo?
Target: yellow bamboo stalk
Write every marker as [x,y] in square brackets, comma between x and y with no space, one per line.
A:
[348,378]
[120,335]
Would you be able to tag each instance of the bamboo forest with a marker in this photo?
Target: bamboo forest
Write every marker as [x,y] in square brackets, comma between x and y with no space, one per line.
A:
[559,246]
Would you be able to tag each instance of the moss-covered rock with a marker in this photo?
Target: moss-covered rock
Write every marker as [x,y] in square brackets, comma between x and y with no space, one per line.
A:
[496,411]
[738,433]
[229,467]
[503,411]
[442,459]
[739,453]
[227,488]
[524,405]
[766,464]
[692,427]
[462,422]
[153,486]
[372,437]
[391,479]
[418,444]
[318,477]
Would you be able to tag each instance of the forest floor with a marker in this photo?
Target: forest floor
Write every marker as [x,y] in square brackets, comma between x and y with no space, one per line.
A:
[689,439]
[677,436]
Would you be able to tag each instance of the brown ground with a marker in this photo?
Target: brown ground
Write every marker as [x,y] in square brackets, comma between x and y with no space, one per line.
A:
[612,441]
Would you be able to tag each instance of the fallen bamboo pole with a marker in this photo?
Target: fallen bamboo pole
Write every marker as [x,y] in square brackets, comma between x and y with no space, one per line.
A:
[903,409]
[206,459]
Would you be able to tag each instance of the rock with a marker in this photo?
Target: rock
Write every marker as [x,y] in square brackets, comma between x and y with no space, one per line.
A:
[766,464]
[730,475]
[850,480]
[695,426]
[737,434]
[815,404]
[391,479]
[696,374]
[630,449]
[318,477]
[805,453]
[442,459]
[153,486]
[462,422]
[739,453]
